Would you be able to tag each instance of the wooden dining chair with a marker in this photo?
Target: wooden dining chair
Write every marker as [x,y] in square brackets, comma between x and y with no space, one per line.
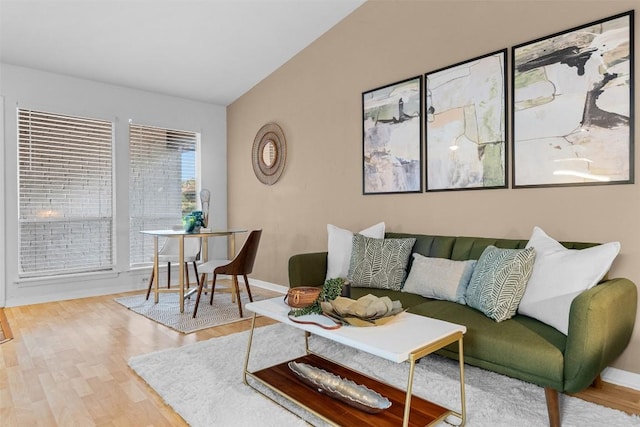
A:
[242,264]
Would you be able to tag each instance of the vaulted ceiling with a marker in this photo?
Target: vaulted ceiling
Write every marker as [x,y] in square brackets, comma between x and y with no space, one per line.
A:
[207,50]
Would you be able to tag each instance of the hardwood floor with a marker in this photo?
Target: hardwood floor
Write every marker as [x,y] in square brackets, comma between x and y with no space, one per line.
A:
[5,329]
[67,366]
[613,396]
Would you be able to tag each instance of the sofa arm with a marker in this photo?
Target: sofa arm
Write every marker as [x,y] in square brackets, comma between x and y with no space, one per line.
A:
[601,321]
[307,269]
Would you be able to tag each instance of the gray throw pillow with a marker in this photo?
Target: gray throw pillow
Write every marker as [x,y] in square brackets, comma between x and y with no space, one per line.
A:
[379,263]
[499,280]
[439,278]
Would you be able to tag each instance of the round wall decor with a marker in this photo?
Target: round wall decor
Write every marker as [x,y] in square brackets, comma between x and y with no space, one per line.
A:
[269,153]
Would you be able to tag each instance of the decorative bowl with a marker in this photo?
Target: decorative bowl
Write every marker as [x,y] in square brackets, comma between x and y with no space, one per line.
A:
[347,314]
[347,391]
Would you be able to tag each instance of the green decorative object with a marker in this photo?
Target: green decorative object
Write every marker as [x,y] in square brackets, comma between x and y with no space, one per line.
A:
[193,222]
[331,289]
[189,223]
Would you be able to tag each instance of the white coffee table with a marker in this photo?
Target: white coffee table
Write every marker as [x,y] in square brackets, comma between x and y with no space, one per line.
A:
[407,337]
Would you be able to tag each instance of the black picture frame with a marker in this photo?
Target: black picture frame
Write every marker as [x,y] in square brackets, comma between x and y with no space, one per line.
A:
[466,124]
[392,138]
[572,111]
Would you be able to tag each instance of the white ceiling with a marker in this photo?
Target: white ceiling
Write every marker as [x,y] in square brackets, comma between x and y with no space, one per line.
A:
[207,50]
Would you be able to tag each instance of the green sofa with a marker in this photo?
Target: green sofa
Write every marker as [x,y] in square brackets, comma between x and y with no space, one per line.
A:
[600,325]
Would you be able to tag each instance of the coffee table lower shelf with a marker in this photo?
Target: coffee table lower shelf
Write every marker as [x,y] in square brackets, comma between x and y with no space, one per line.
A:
[282,380]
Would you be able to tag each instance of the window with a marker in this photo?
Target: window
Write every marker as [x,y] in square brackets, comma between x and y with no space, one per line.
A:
[162,183]
[65,194]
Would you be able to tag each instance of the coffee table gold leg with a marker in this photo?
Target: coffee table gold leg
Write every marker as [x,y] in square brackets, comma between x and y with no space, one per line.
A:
[463,407]
[413,358]
[463,413]
[407,401]
[246,358]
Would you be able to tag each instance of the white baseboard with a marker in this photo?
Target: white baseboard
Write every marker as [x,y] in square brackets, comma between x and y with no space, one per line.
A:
[70,295]
[266,285]
[621,378]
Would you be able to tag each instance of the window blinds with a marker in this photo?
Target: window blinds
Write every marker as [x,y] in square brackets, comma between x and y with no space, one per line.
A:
[162,183]
[65,194]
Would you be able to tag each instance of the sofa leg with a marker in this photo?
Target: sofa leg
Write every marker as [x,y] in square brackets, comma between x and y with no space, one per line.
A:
[597,382]
[553,406]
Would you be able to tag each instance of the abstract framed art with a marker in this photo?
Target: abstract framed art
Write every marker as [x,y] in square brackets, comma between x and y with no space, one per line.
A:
[573,106]
[466,124]
[392,138]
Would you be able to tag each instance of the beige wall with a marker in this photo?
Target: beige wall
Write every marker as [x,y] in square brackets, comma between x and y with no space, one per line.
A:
[316,99]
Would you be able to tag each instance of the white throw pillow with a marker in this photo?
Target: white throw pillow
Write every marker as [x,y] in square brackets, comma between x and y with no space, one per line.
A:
[559,275]
[439,278]
[340,245]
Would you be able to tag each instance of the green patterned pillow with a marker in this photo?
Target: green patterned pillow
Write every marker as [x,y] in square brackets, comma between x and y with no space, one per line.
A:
[499,280]
[379,263]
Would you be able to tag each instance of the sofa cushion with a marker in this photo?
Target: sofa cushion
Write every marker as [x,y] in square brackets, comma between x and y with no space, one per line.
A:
[340,245]
[379,263]
[559,275]
[520,347]
[439,278]
[499,280]
[432,246]
[473,247]
[426,245]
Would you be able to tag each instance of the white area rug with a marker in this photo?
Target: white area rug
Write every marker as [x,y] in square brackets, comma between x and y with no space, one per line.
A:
[167,310]
[203,383]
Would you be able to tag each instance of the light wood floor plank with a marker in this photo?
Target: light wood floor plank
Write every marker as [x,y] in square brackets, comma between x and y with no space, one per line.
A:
[5,328]
[67,365]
